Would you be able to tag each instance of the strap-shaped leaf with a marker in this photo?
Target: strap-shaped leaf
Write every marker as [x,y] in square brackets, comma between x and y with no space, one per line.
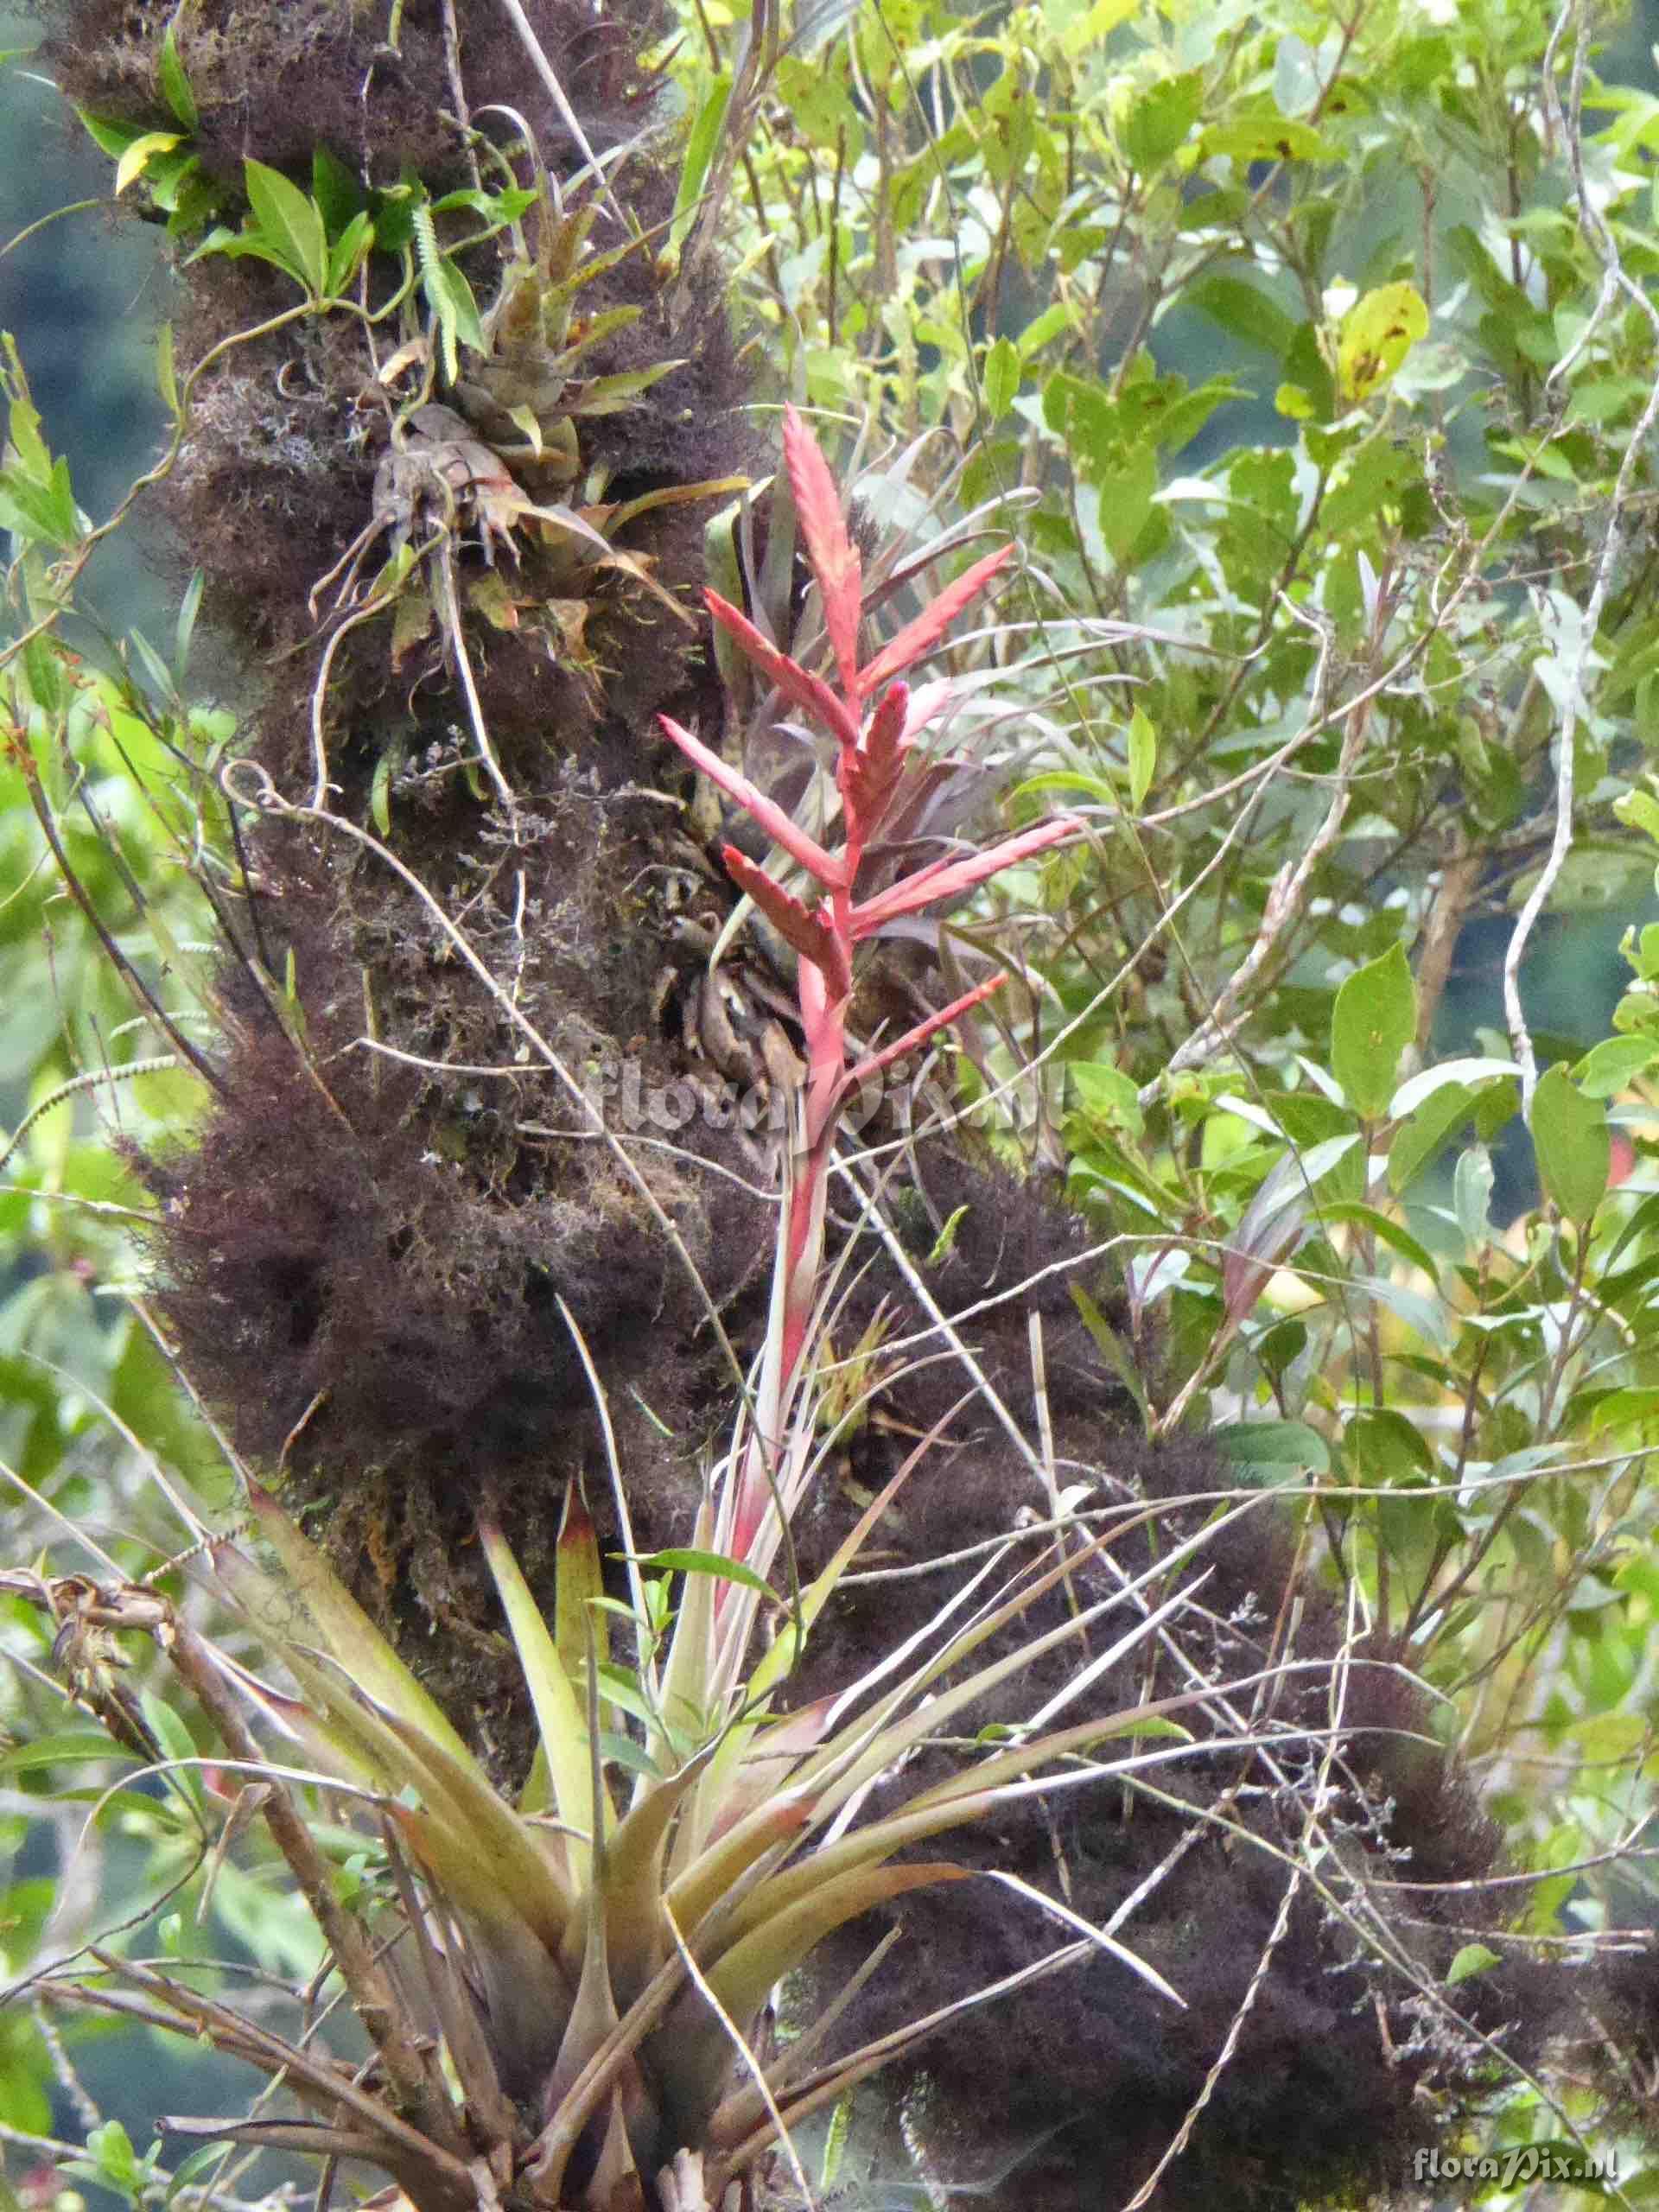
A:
[558,1714]
[692,2052]
[525,1991]
[636,1931]
[346,1630]
[830,551]
[579,1581]
[951,878]
[778,826]
[798,685]
[807,928]
[920,636]
[708,1880]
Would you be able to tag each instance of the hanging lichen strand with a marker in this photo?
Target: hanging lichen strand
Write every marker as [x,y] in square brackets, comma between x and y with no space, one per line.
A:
[457,411]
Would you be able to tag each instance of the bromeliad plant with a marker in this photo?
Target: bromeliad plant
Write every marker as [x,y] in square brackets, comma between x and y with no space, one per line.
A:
[579,1976]
[564,1991]
[873,719]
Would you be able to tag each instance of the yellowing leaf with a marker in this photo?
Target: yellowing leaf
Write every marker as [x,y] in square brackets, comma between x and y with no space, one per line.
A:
[136,158]
[1377,333]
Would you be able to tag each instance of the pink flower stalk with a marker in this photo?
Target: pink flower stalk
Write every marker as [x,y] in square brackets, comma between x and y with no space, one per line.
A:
[873,746]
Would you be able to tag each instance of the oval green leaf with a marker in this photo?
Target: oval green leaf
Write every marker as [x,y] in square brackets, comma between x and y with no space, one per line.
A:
[290,224]
[1374,1019]
[1570,1134]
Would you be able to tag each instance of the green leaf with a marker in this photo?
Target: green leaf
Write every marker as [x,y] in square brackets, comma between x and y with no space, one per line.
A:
[199,2162]
[614,394]
[1385,1447]
[1111,1347]
[380,794]
[138,154]
[945,1241]
[1374,1019]
[1573,1145]
[1143,756]
[1106,1095]
[166,382]
[1000,379]
[108,134]
[1608,1739]
[1126,485]
[154,667]
[1054,319]
[683,1560]
[700,141]
[1160,120]
[579,1581]
[44,513]
[1291,1445]
[559,1715]
[1472,1958]
[1247,311]
[176,85]
[184,627]
[347,251]
[116,2161]
[1391,1233]
[66,1747]
[497,209]
[1471,1193]
[1639,810]
[394,211]
[1485,1072]
[1614,1065]
[1068,779]
[336,190]
[1080,25]
[450,298]
[290,222]
[174,1737]
[1632,1407]
[1419,1138]
[1265,138]
[1431,1317]
[346,1630]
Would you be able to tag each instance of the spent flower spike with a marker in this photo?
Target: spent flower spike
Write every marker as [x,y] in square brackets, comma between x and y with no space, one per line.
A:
[873,742]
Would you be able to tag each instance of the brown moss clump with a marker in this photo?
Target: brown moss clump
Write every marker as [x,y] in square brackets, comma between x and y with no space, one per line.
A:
[276,82]
[275,476]
[1068,2091]
[368,1255]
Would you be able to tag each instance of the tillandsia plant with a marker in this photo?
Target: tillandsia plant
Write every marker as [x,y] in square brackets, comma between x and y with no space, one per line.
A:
[577,1977]
[568,2000]
[874,721]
